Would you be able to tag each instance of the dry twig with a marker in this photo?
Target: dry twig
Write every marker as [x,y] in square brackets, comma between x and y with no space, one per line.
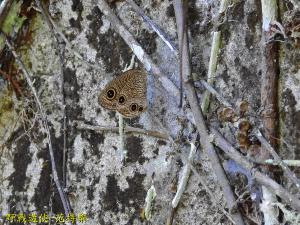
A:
[154,27]
[60,47]
[127,130]
[270,149]
[269,93]
[261,178]
[200,123]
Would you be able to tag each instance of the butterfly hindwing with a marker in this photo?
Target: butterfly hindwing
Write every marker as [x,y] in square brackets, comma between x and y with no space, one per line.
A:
[126,94]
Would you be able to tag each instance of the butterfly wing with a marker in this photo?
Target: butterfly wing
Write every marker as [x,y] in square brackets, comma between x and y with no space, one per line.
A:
[126,94]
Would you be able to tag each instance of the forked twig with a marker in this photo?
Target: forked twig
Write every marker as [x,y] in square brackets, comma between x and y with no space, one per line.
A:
[198,116]
[81,125]
[258,176]
[292,176]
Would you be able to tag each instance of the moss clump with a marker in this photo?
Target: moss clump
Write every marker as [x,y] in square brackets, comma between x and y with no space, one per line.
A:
[12,21]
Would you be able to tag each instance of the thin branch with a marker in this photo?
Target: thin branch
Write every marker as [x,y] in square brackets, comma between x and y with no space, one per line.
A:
[270,149]
[261,178]
[211,68]
[269,93]
[215,48]
[153,26]
[45,123]
[185,177]
[143,57]
[57,32]
[127,130]
[60,48]
[211,90]
[180,14]
[288,162]
[198,116]
[4,8]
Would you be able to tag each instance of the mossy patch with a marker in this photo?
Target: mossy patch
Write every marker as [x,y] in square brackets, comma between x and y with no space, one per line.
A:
[13,21]
[7,113]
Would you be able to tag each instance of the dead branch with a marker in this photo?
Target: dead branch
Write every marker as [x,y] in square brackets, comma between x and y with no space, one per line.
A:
[198,116]
[292,176]
[60,48]
[269,92]
[212,91]
[261,178]
[153,26]
[82,126]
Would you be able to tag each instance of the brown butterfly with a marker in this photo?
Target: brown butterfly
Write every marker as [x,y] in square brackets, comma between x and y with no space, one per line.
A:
[125,94]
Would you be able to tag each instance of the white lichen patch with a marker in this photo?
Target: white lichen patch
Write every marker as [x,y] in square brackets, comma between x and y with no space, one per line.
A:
[7,170]
[80,145]
[33,172]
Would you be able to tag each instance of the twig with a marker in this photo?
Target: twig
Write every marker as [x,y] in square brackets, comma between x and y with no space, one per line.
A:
[154,26]
[270,149]
[211,90]
[180,15]
[45,122]
[288,162]
[143,57]
[185,177]
[60,48]
[57,32]
[269,92]
[171,215]
[200,123]
[211,68]
[127,130]
[261,178]
[215,48]
[269,84]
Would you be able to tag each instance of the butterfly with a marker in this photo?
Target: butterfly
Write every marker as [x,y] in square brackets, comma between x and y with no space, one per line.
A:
[126,94]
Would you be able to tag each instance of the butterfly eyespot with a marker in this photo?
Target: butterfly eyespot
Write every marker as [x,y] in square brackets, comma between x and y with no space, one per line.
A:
[141,108]
[133,107]
[121,99]
[110,94]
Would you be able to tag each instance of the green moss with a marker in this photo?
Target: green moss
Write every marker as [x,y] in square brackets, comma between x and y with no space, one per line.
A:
[7,113]
[12,21]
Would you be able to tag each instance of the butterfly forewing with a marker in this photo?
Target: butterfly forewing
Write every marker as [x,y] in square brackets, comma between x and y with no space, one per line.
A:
[126,94]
